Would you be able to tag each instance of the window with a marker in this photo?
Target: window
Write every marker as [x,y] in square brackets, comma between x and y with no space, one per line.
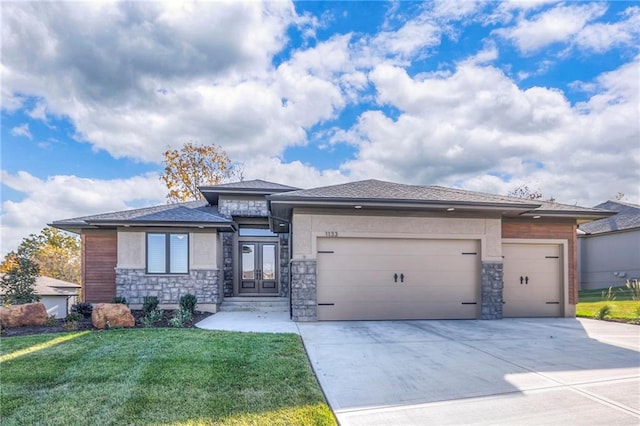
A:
[255,232]
[167,253]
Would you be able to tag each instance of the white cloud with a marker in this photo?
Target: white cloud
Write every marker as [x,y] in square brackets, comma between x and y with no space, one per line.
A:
[64,197]
[600,37]
[22,130]
[558,24]
[477,127]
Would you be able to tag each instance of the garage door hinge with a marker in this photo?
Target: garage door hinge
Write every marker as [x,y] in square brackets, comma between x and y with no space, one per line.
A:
[472,253]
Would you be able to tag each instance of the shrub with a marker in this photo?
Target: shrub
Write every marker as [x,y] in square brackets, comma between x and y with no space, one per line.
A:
[84,309]
[149,304]
[188,303]
[609,295]
[74,317]
[603,312]
[120,299]
[634,288]
[151,317]
[52,321]
[180,318]
[70,325]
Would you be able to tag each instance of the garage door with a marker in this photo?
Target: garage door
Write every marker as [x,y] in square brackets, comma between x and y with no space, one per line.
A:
[378,278]
[532,280]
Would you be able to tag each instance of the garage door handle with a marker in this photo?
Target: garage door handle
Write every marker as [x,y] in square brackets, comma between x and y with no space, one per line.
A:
[526,280]
[401,278]
[521,279]
[395,278]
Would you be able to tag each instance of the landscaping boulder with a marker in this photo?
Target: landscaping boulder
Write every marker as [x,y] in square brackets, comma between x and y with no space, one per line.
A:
[20,315]
[107,315]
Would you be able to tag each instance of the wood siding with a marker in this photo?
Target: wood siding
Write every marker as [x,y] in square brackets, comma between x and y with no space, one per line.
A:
[99,258]
[550,230]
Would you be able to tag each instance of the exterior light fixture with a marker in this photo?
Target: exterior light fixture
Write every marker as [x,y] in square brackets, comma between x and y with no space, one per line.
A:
[536,217]
[357,207]
[450,209]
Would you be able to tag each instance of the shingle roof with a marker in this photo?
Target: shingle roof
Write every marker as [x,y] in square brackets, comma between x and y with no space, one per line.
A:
[256,184]
[376,190]
[47,286]
[627,217]
[190,212]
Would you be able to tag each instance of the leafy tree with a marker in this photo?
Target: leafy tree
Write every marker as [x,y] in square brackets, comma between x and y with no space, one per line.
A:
[18,282]
[523,191]
[56,253]
[193,166]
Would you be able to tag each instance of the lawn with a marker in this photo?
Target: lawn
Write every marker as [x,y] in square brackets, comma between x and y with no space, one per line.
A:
[159,376]
[622,308]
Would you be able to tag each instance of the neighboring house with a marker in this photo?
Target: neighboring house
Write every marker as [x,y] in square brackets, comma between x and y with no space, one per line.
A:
[57,295]
[609,248]
[360,250]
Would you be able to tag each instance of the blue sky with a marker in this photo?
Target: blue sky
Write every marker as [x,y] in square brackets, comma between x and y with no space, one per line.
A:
[481,95]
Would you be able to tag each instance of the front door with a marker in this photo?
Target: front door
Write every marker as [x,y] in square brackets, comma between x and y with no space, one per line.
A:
[259,271]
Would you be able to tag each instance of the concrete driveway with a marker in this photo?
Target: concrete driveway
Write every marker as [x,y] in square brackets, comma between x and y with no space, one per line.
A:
[511,372]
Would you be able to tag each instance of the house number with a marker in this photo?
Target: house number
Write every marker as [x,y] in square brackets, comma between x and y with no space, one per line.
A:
[331,234]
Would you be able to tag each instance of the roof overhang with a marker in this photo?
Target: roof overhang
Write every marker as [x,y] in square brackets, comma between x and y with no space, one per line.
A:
[78,227]
[212,193]
[282,206]
[579,216]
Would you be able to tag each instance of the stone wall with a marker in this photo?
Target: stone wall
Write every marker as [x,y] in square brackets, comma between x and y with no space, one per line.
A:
[491,288]
[304,305]
[134,284]
[243,208]
[227,263]
[284,264]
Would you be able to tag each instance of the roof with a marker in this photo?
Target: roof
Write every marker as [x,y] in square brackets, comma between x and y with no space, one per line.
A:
[247,187]
[381,192]
[47,286]
[192,213]
[627,217]
[256,184]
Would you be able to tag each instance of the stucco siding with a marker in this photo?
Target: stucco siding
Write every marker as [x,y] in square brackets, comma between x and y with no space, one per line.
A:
[609,259]
[131,249]
[308,226]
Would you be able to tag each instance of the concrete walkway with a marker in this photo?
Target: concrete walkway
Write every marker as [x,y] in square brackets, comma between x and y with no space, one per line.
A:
[257,322]
[510,372]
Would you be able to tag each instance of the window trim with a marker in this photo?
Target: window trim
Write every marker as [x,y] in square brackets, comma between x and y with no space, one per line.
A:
[167,253]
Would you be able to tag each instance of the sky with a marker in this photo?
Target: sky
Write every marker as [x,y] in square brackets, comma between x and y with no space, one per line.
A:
[479,95]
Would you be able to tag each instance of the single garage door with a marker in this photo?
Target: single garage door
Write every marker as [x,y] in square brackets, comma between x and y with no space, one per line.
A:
[532,280]
[379,278]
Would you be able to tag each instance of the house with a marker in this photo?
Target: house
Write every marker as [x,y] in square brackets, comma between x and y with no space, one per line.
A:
[360,250]
[58,296]
[609,248]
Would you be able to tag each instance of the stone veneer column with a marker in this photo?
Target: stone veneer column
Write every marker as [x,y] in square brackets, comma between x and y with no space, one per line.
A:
[283,240]
[227,263]
[304,300]
[492,287]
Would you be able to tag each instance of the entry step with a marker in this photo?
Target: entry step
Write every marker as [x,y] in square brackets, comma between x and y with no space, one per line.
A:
[255,304]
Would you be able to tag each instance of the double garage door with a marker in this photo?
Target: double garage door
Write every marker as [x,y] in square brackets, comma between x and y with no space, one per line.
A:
[379,278]
[394,279]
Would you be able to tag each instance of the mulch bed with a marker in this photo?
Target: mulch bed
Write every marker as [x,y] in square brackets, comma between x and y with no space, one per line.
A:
[85,324]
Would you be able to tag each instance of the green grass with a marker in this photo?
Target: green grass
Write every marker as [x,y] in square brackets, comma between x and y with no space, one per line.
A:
[622,308]
[159,376]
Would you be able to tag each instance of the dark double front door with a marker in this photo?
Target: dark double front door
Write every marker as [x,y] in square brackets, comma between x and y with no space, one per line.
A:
[258,268]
